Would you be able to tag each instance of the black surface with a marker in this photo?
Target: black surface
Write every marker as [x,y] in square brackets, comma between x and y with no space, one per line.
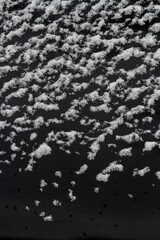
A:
[110,214]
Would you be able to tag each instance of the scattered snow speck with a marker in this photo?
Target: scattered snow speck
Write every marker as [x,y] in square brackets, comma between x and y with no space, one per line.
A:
[158,174]
[71,196]
[27,208]
[48,218]
[130,195]
[73,183]
[141,172]
[82,169]
[57,203]
[96,189]
[37,202]
[56,185]
[58,174]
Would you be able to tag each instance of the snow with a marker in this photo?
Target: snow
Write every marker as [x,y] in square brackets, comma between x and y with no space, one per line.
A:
[157,134]
[71,196]
[14,148]
[128,53]
[2,124]
[135,92]
[130,195]
[18,94]
[27,208]
[82,169]
[38,122]
[37,202]
[48,218]
[129,138]
[57,203]
[42,214]
[58,174]
[73,183]
[45,107]
[148,41]
[148,146]
[74,85]
[96,189]
[104,176]
[43,184]
[56,185]
[158,174]
[157,54]
[155,27]
[126,152]
[42,150]
[33,136]
[141,172]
